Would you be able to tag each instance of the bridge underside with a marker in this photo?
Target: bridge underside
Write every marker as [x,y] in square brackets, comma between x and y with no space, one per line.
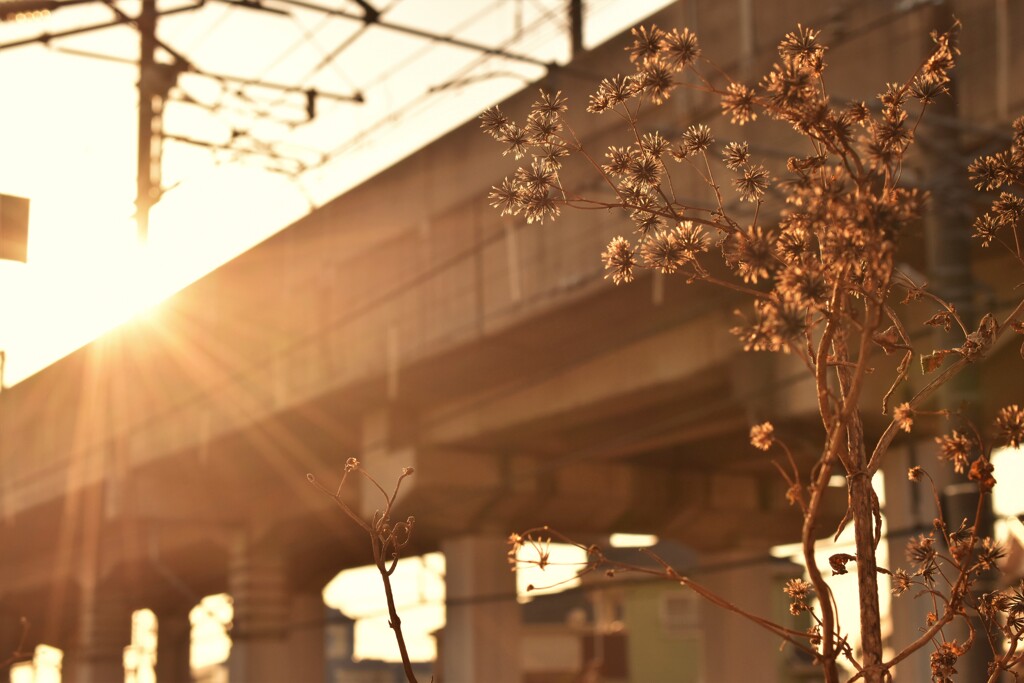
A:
[169,459]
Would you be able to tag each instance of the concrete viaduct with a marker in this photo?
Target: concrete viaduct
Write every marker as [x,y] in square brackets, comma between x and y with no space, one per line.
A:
[406,324]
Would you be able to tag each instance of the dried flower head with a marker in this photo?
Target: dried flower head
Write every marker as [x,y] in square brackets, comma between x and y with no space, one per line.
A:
[551,103]
[750,253]
[789,90]
[680,49]
[1010,424]
[697,139]
[506,198]
[517,139]
[647,43]
[752,185]
[618,160]
[738,104]
[803,285]
[644,170]
[643,213]
[762,436]
[493,120]
[801,47]
[990,553]
[981,472]
[943,58]
[735,155]
[943,661]
[619,259]
[654,144]
[956,448]
[901,582]
[921,550]
[538,206]
[927,91]
[776,326]
[515,542]
[612,92]
[657,81]
[994,171]
[535,179]
[692,239]
[985,228]
[814,636]
[798,589]
[663,251]
[903,416]
[542,129]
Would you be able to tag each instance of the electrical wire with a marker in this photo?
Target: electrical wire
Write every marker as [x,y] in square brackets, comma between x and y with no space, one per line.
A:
[351,316]
[417,104]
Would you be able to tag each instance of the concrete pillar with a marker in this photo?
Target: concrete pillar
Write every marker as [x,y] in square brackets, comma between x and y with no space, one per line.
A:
[306,637]
[103,631]
[482,640]
[173,647]
[754,585]
[909,511]
[259,636]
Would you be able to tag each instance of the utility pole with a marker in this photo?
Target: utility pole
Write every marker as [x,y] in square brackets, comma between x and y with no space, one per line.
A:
[576,26]
[948,256]
[151,102]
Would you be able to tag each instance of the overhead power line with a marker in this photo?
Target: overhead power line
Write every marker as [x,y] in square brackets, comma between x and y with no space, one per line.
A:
[46,37]
[158,78]
[421,33]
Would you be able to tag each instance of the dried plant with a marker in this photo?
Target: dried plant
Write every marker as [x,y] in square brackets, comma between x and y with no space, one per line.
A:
[387,540]
[820,270]
[20,653]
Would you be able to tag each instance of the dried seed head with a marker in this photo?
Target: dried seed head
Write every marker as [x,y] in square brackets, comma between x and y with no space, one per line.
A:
[762,436]
[903,416]
[619,259]
[1010,423]
[680,50]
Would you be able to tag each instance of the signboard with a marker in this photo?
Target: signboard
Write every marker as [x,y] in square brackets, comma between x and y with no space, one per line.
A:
[13,228]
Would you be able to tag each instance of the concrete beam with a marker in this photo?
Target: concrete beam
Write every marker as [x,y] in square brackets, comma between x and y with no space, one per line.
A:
[659,360]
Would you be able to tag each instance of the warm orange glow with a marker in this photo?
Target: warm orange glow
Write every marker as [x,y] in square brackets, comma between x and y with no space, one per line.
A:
[68,142]
[67,136]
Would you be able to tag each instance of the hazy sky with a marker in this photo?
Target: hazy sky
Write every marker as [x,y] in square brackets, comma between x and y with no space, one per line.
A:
[68,126]
[68,137]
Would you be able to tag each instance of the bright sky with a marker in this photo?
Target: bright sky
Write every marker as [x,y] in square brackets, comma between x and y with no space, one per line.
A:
[68,138]
[68,142]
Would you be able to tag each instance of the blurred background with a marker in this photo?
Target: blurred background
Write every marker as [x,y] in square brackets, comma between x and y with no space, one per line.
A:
[258,243]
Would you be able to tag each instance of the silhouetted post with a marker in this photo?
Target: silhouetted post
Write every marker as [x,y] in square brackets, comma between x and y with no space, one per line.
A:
[149,150]
[948,254]
[576,26]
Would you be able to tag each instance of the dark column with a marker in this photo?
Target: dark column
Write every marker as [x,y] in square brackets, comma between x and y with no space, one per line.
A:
[103,631]
[173,647]
[306,637]
[259,650]
[482,639]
